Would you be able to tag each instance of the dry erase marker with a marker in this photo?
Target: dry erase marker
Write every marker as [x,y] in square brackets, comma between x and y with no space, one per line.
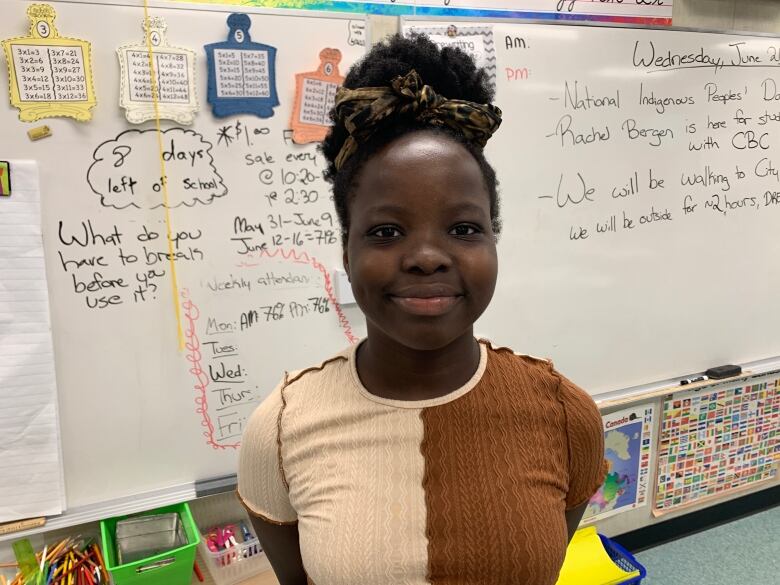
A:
[686,381]
[245,531]
[247,537]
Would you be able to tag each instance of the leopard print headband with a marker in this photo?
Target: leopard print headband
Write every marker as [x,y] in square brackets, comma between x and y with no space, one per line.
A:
[363,111]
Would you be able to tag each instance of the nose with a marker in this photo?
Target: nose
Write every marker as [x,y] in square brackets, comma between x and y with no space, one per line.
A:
[426,255]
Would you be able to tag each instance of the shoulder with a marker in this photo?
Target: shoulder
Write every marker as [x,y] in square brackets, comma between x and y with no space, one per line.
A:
[505,350]
[532,374]
[321,377]
[333,367]
[326,375]
[539,377]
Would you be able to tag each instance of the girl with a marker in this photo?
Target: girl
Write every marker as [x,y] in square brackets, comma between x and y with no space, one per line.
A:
[422,455]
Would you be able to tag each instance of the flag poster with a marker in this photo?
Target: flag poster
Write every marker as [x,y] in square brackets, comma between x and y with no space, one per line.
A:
[716,440]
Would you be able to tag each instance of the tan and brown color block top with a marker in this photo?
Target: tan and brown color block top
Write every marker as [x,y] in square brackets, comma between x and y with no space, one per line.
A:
[467,488]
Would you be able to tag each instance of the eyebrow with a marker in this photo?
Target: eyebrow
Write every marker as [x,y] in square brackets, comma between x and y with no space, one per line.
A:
[467,207]
[400,209]
[388,208]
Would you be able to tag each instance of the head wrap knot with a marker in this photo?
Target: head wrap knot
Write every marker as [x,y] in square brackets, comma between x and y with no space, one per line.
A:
[364,110]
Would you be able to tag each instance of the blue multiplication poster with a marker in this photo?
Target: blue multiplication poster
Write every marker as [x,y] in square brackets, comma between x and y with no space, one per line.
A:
[242,74]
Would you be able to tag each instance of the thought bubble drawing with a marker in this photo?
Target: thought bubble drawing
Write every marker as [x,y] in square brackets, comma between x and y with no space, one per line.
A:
[126,171]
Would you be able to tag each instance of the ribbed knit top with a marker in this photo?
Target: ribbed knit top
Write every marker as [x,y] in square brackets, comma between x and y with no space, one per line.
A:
[469,488]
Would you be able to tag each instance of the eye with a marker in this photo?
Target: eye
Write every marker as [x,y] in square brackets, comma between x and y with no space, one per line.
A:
[465,229]
[384,232]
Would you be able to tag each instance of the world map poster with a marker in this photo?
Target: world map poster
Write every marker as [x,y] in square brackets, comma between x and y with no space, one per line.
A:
[627,448]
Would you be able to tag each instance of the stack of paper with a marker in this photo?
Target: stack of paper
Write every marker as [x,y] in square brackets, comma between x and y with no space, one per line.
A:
[31,476]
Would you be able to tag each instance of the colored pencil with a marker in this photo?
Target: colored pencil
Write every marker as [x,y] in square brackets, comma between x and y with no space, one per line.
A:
[198,573]
[101,562]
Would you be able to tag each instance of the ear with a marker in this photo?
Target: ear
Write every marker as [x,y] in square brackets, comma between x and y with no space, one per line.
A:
[345,262]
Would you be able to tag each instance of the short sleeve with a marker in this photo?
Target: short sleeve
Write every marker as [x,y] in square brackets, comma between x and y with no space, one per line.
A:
[585,435]
[262,487]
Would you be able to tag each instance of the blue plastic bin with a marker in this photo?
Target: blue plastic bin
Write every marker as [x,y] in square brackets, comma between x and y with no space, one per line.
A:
[623,559]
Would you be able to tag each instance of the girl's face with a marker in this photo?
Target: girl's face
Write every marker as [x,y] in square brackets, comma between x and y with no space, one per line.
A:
[421,253]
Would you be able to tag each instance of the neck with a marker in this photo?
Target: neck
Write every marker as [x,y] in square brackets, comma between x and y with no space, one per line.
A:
[391,370]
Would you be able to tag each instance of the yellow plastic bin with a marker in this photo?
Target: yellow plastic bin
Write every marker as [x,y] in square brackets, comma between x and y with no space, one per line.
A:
[593,559]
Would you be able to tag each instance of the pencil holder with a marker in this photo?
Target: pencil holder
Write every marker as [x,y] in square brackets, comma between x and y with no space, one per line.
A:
[243,556]
[235,564]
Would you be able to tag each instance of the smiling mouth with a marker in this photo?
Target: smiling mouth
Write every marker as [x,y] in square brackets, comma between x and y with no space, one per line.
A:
[427,306]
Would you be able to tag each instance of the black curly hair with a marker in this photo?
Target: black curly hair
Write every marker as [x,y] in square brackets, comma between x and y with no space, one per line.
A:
[449,71]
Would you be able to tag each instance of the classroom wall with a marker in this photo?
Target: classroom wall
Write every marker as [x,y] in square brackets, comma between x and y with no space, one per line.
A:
[721,15]
[741,15]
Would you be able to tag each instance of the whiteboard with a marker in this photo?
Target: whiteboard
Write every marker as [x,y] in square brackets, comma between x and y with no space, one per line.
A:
[622,279]
[613,310]
[138,415]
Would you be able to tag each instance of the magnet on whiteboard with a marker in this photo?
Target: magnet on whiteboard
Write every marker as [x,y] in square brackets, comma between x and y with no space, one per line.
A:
[38,133]
[5,178]
[343,288]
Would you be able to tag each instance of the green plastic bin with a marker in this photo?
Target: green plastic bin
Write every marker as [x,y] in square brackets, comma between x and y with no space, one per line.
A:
[173,567]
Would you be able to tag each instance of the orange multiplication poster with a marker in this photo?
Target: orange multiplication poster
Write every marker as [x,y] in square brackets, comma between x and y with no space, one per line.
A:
[315,93]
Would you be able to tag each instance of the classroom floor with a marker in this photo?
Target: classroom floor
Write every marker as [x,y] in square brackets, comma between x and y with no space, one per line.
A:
[742,552]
